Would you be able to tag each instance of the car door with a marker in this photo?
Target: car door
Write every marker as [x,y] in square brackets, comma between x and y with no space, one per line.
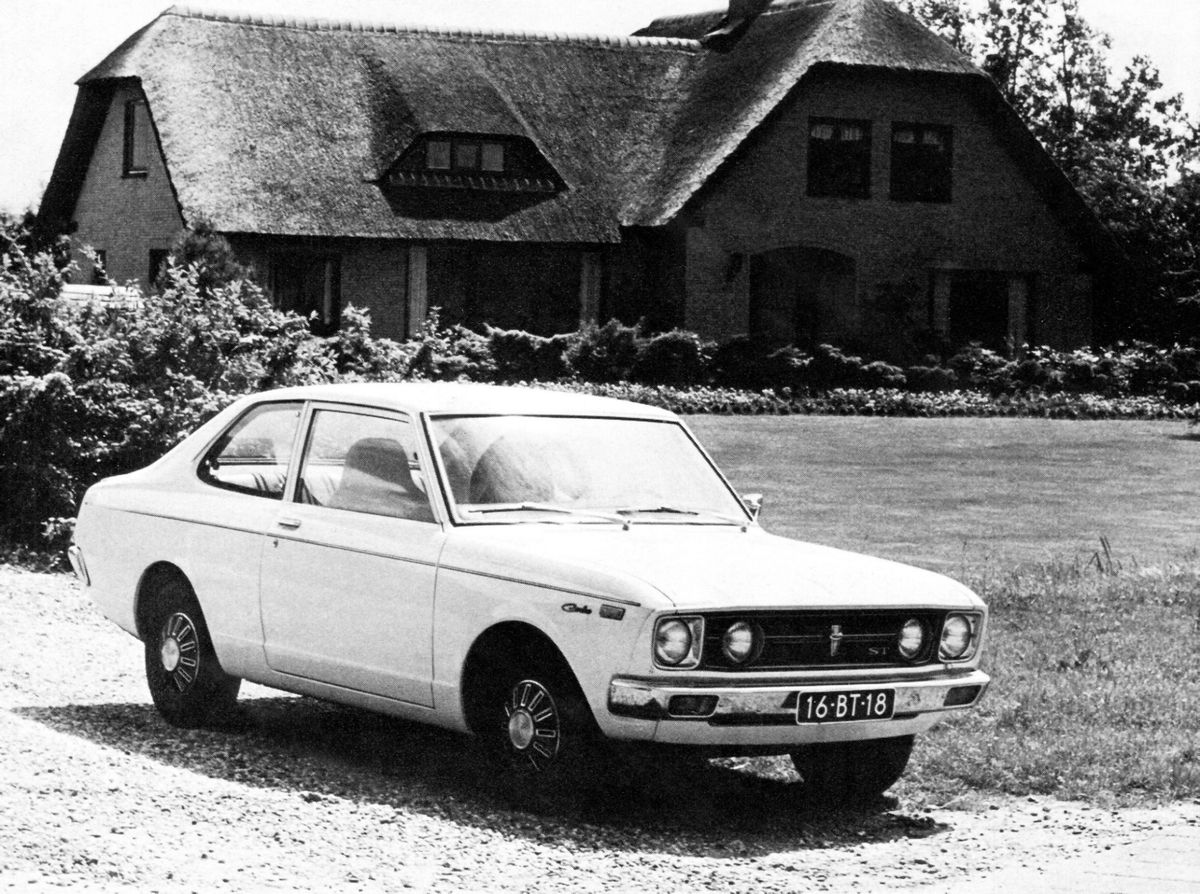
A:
[348,570]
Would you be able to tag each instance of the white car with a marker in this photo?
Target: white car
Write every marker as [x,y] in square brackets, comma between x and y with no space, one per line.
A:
[545,570]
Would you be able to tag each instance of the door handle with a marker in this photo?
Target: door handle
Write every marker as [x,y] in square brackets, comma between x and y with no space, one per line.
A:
[291,523]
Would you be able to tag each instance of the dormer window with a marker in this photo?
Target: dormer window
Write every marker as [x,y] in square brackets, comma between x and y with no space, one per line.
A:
[477,162]
[464,154]
[493,157]
[437,155]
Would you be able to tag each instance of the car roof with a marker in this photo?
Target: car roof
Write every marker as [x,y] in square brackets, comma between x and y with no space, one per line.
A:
[459,398]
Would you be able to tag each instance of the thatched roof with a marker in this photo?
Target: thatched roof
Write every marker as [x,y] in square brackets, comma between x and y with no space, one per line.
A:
[286,126]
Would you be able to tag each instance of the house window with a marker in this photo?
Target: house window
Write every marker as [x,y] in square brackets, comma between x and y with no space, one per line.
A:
[493,157]
[922,156]
[437,155]
[158,260]
[839,158]
[137,138]
[464,154]
[100,267]
[311,287]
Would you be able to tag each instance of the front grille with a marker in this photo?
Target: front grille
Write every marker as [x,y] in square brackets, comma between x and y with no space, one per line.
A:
[827,639]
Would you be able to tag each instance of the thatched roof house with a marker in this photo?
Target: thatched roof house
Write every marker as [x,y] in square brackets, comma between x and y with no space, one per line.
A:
[766,167]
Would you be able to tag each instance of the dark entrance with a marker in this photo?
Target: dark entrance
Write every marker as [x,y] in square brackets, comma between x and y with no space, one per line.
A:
[796,294]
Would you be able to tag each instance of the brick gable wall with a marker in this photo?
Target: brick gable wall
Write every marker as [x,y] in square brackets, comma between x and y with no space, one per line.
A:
[125,217]
[997,221]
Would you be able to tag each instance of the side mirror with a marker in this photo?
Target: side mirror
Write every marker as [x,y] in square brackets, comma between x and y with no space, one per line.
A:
[753,502]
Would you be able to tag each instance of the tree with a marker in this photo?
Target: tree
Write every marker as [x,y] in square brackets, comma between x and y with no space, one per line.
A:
[1132,153]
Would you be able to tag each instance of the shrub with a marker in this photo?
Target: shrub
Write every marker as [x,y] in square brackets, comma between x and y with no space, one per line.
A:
[200,246]
[1184,392]
[356,353]
[830,368]
[673,358]
[930,378]
[878,374]
[89,391]
[747,362]
[522,357]
[604,353]
[978,367]
[450,354]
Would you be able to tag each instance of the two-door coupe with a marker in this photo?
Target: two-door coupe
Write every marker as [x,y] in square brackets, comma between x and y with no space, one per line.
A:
[545,570]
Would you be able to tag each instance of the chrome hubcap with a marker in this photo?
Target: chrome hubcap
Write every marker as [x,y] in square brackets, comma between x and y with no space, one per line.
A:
[179,650]
[533,724]
[170,655]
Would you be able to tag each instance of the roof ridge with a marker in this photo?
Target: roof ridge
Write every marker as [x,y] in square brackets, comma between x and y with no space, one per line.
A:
[776,6]
[304,23]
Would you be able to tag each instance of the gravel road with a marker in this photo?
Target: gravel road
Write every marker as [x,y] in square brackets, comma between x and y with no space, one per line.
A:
[96,791]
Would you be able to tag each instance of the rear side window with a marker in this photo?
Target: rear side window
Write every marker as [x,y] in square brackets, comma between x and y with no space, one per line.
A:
[252,456]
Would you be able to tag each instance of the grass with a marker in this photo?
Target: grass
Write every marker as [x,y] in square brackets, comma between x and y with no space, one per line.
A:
[951,494]
[1094,651]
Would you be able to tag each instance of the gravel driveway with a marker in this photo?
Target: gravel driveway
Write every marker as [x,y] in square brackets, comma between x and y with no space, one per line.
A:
[96,791]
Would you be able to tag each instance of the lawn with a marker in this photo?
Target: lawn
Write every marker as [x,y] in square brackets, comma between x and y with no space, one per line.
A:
[953,494]
[1095,659]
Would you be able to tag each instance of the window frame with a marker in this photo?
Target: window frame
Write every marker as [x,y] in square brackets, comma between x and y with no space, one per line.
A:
[918,181]
[826,169]
[133,138]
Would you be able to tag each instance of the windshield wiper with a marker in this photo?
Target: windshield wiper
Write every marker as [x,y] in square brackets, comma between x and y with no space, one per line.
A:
[671,510]
[675,510]
[549,507]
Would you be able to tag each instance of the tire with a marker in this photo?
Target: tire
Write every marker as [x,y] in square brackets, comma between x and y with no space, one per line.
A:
[187,684]
[538,726]
[855,771]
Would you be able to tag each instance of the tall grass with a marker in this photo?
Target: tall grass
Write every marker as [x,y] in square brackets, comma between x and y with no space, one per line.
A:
[1095,692]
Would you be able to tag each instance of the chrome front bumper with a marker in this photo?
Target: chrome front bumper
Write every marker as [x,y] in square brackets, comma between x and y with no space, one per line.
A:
[766,714]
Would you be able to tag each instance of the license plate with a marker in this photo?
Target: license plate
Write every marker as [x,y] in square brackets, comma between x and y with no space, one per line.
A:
[845,705]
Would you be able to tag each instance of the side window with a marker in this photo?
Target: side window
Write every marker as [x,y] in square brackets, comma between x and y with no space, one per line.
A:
[363,463]
[252,456]
[138,136]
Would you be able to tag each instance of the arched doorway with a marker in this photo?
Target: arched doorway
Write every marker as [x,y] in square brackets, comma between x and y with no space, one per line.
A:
[799,295]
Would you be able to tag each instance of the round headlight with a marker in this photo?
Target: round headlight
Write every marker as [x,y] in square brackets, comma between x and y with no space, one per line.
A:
[956,637]
[912,639]
[740,642]
[672,641]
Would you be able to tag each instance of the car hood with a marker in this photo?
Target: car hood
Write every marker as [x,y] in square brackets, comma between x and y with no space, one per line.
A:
[696,566]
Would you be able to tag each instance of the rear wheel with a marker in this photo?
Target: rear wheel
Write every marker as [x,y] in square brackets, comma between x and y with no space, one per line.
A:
[186,681]
[857,771]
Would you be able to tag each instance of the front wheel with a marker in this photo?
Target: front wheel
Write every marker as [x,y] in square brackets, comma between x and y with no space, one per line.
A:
[540,727]
[187,684]
[857,771]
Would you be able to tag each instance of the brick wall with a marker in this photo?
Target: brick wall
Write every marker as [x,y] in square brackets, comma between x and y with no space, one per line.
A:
[997,220]
[125,217]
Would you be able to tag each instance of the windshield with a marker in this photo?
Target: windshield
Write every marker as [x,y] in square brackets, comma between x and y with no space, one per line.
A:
[571,469]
